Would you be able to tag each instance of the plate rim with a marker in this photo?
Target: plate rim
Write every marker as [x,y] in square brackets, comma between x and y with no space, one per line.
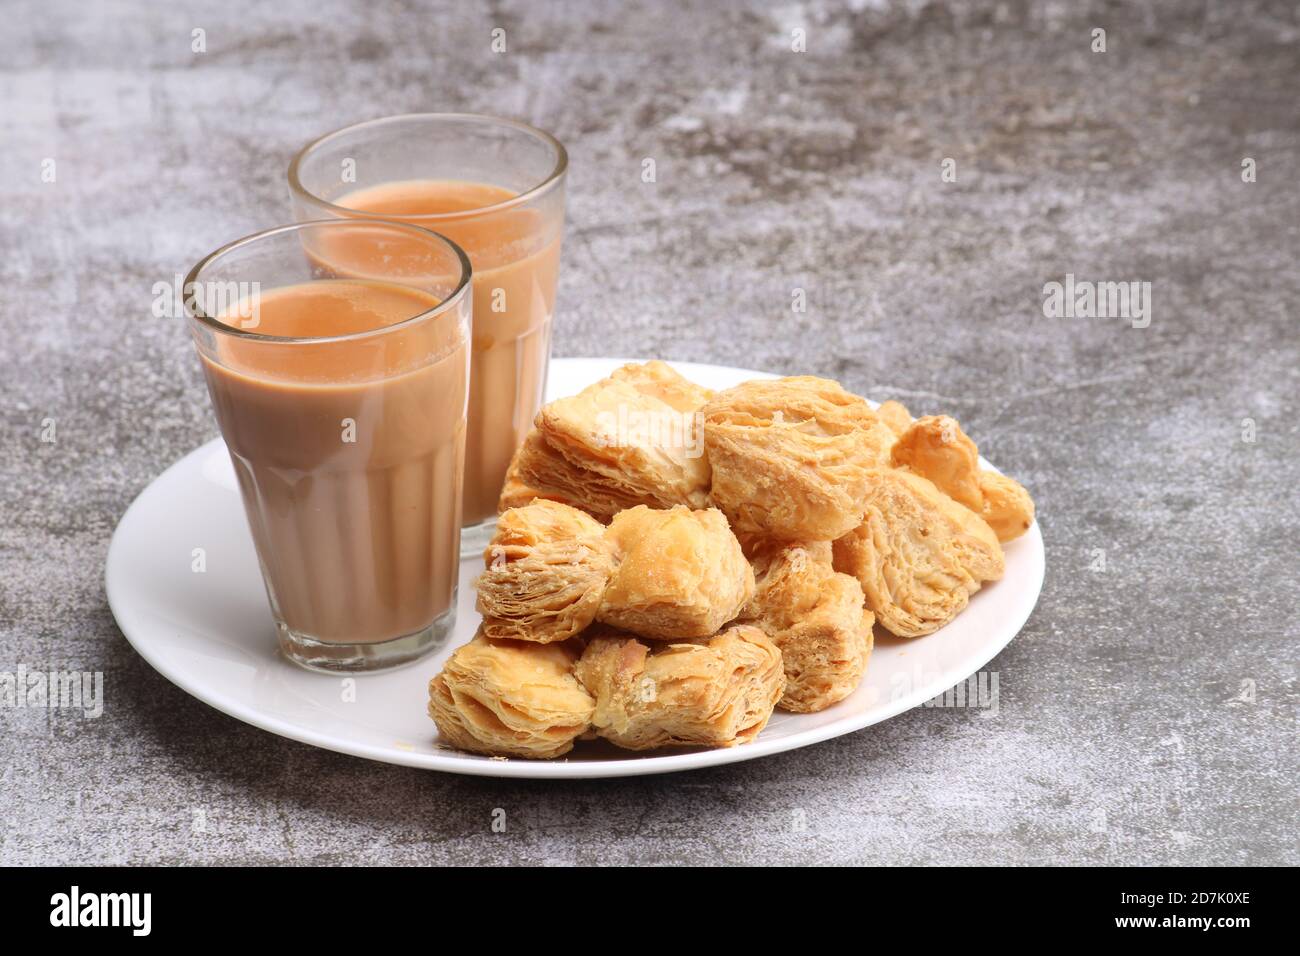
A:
[475,765]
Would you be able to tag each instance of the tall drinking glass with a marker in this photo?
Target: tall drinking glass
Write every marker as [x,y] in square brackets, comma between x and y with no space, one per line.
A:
[496,188]
[343,403]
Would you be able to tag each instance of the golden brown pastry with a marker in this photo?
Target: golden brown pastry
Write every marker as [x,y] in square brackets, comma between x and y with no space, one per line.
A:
[547,566]
[895,416]
[1007,507]
[677,573]
[658,380]
[790,456]
[761,549]
[515,492]
[633,438]
[936,448]
[511,698]
[538,469]
[815,616]
[712,692]
[917,554]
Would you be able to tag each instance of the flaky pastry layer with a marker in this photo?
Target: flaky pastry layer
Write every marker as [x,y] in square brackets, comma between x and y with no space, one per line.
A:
[712,692]
[790,457]
[511,698]
[917,553]
[677,573]
[632,438]
[815,615]
[546,570]
[936,448]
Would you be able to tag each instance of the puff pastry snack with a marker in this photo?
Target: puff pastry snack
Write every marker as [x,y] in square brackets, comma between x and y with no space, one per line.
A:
[677,573]
[936,448]
[633,438]
[815,616]
[515,492]
[670,587]
[511,698]
[1007,507]
[895,416]
[713,692]
[538,471]
[918,555]
[546,569]
[790,457]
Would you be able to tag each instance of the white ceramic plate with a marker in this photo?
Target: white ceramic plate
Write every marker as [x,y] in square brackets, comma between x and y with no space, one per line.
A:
[210,633]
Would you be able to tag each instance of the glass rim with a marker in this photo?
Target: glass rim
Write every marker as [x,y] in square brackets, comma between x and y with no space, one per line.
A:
[544,186]
[451,300]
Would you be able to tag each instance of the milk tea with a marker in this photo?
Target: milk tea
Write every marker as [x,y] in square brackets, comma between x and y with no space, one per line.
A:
[347,454]
[515,254]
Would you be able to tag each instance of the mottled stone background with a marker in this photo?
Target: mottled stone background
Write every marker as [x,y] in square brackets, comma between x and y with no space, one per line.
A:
[1148,711]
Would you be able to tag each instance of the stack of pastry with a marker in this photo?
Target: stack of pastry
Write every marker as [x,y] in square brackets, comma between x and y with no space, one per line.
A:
[671,586]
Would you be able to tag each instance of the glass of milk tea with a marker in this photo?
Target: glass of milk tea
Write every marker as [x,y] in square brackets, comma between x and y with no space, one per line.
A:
[495,187]
[342,399]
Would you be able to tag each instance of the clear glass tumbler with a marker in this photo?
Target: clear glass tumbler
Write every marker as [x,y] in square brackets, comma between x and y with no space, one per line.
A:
[496,188]
[343,403]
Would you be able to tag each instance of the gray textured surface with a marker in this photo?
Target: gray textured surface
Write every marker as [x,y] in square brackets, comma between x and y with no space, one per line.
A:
[1121,735]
